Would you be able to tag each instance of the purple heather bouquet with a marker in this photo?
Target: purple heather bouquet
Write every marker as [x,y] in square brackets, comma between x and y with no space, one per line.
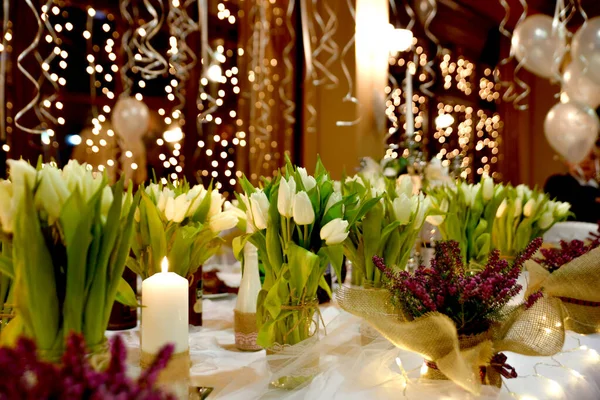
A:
[472,299]
[554,258]
[23,375]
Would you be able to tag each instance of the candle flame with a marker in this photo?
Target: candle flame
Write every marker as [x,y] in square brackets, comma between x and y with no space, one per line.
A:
[164,265]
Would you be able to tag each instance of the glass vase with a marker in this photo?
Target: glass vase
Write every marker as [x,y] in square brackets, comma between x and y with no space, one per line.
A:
[290,359]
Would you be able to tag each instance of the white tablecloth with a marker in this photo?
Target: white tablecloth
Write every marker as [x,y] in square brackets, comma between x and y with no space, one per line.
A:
[350,371]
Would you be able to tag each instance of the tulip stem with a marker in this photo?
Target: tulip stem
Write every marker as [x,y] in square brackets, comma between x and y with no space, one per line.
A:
[306,243]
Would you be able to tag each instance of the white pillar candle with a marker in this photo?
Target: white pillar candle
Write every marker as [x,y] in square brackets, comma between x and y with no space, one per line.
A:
[164,311]
[410,121]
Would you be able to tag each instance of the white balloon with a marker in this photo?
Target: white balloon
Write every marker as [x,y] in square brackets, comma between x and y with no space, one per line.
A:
[579,87]
[572,130]
[131,118]
[585,49]
[534,41]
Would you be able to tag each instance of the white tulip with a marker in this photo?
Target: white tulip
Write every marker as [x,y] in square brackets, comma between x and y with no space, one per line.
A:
[196,196]
[546,220]
[287,190]
[334,232]
[424,206]
[52,192]
[337,186]
[6,209]
[216,203]
[562,209]
[502,209]
[529,208]
[153,190]
[308,181]
[176,208]
[161,201]
[21,172]
[259,204]
[435,220]
[335,198]
[404,185]
[303,210]
[518,207]
[402,208]
[488,188]
[74,173]
[107,199]
[223,221]
[355,178]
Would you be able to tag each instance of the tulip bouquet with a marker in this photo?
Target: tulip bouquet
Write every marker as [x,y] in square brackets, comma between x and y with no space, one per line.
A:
[298,225]
[390,227]
[70,235]
[181,223]
[470,212]
[524,215]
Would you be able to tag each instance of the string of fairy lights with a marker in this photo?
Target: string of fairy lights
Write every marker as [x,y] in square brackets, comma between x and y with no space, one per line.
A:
[468,136]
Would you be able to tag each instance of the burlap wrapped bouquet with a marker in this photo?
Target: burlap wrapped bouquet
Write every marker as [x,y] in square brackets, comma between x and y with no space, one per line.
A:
[573,289]
[535,331]
[459,320]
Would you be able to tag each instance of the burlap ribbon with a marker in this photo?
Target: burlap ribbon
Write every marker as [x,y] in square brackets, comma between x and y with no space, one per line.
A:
[434,336]
[575,286]
[177,369]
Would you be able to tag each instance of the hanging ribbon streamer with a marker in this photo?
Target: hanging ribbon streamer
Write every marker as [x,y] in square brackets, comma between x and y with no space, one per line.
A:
[33,103]
[326,44]
[509,94]
[206,62]
[429,66]
[349,98]
[520,98]
[3,60]
[126,45]
[150,63]
[391,116]
[306,27]
[43,113]
[562,15]
[290,105]
[182,58]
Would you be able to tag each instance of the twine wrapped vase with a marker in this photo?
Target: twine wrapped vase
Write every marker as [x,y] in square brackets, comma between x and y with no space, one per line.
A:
[294,333]
[574,287]
[535,331]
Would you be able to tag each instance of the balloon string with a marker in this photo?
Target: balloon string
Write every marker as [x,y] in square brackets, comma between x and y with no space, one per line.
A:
[36,85]
[410,12]
[6,6]
[349,97]
[429,66]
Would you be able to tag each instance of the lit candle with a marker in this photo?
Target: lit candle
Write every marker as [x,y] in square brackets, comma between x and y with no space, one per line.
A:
[410,121]
[164,311]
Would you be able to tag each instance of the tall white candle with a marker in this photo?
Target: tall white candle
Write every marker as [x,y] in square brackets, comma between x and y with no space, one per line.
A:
[164,311]
[410,121]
